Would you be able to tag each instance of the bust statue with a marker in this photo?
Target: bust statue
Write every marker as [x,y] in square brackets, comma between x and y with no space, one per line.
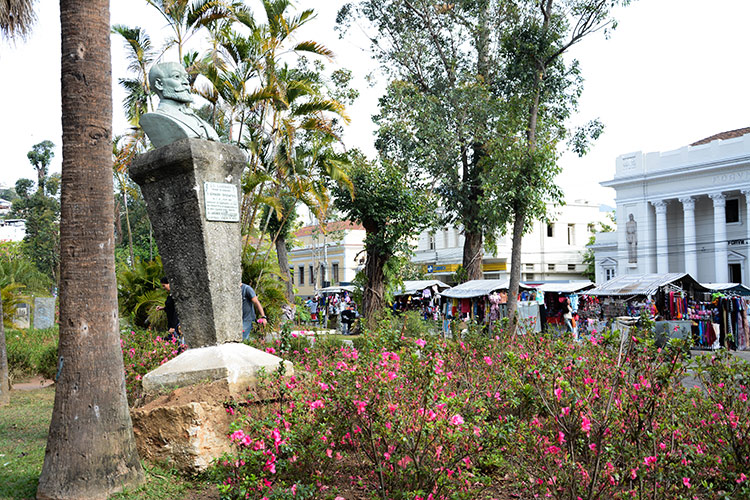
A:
[173,120]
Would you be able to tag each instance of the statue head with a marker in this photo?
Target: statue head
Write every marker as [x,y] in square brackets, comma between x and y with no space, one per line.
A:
[170,81]
[631,218]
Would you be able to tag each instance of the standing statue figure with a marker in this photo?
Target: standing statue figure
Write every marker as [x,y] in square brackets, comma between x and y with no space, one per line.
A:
[173,120]
[631,237]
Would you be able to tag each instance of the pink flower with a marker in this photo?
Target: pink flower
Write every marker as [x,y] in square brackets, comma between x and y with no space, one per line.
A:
[742,478]
[743,397]
[585,424]
[565,411]
[649,461]
[457,420]
[560,437]
[558,393]
[420,342]
[488,360]
[686,482]
[360,406]
[392,407]
[316,404]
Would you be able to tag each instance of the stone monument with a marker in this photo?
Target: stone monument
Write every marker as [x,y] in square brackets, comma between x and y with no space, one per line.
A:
[44,312]
[191,184]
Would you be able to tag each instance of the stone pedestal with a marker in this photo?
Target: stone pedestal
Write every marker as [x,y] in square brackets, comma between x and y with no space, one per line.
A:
[187,425]
[237,364]
[190,187]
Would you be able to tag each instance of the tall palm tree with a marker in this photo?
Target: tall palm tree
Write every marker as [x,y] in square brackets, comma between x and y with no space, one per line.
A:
[91,449]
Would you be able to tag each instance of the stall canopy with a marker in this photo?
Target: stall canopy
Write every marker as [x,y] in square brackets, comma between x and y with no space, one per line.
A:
[737,288]
[572,287]
[478,288]
[646,284]
[416,286]
[336,289]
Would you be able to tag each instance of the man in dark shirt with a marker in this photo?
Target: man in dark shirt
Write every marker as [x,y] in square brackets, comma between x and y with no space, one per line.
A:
[250,303]
[347,318]
[173,322]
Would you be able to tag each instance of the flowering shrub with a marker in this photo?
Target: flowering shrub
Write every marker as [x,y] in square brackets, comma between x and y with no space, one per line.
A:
[423,418]
[142,351]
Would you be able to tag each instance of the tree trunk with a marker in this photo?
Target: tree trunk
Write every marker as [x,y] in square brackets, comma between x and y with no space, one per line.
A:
[515,267]
[4,378]
[130,231]
[373,297]
[91,451]
[281,254]
[473,254]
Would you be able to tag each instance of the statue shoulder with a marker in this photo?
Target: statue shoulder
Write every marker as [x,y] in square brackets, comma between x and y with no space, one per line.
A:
[162,128]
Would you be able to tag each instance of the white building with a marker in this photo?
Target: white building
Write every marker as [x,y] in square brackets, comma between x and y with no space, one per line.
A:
[550,252]
[5,206]
[339,251]
[12,229]
[685,210]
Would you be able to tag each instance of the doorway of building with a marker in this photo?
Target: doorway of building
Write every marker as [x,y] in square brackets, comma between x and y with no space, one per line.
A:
[735,273]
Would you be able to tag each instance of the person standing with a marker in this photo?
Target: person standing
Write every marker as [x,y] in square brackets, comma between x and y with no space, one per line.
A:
[250,303]
[173,322]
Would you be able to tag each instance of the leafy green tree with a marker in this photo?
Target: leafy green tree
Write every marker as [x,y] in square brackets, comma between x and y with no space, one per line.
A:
[392,206]
[40,157]
[441,109]
[41,210]
[139,291]
[543,90]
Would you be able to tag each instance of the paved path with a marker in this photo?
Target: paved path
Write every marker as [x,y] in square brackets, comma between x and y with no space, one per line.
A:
[691,381]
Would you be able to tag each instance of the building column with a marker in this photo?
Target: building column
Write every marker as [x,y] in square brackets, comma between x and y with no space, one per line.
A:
[690,247]
[662,238]
[746,192]
[721,253]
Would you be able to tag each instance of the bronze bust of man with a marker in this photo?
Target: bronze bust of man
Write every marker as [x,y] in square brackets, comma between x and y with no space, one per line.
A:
[173,120]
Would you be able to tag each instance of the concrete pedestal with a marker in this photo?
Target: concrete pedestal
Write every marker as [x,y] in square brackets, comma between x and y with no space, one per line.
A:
[235,363]
[200,248]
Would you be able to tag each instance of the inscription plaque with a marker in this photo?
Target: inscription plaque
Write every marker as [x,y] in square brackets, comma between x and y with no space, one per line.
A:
[222,202]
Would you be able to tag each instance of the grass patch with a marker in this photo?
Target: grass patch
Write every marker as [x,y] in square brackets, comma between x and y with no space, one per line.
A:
[24,424]
[32,352]
[164,483]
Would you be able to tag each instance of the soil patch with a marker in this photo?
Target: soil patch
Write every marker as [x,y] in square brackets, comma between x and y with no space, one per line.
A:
[32,384]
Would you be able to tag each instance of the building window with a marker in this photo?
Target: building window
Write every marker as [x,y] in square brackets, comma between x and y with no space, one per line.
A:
[529,267]
[550,230]
[609,273]
[550,267]
[571,267]
[732,211]
[431,243]
[311,279]
[445,238]
[571,234]
[335,271]
[301,275]
[322,279]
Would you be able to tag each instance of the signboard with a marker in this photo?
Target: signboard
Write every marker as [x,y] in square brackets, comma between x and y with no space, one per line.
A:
[222,202]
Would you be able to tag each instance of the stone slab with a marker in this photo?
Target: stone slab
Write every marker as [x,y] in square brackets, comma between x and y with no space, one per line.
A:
[237,364]
[44,312]
[201,257]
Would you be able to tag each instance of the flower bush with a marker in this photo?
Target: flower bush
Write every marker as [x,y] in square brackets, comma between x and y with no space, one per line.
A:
[143,351]
[403,417]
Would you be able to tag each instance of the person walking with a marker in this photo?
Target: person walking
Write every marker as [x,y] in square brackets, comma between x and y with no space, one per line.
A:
[250,303]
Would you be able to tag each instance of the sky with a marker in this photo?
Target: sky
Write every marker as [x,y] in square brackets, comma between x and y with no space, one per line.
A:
[673,72]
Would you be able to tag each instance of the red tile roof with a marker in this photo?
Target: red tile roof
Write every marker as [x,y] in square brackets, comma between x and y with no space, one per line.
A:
[331,226]
[731,134]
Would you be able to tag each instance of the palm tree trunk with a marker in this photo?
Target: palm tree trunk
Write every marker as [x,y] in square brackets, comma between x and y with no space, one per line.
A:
[91,449]
[127,225]
[4,378]
[281,254]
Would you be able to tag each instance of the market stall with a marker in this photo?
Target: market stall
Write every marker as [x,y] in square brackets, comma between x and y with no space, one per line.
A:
[674,300]
[420,295]
[726,309]
[552,300]
[485,301]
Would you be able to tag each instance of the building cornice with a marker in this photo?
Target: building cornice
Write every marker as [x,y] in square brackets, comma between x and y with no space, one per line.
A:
[698,167]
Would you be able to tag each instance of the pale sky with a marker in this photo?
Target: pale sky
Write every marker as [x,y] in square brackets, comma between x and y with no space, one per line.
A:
[673,72]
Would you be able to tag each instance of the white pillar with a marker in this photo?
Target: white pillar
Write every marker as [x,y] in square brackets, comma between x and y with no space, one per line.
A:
[662,239]
[690,248]
[746,192]
[721,254]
